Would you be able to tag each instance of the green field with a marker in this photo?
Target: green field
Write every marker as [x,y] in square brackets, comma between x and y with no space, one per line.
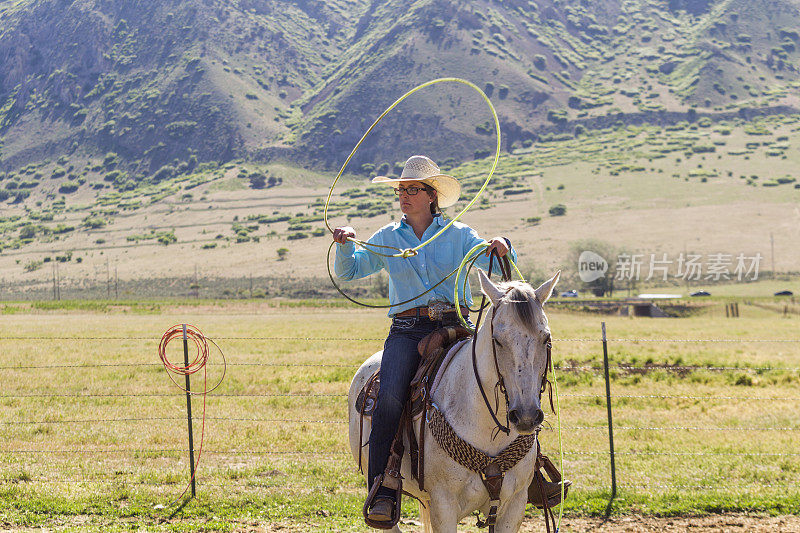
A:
[94,433]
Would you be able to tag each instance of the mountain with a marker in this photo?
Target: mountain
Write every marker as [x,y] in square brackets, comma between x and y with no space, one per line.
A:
[169,82]
[157,80]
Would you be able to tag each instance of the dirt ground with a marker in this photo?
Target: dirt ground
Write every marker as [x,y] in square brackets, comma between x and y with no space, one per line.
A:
[717,523]
[729,523]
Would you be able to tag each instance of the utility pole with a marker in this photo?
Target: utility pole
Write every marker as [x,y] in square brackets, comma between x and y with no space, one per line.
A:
[772,251]
[116,282]
[196,284]
[58,283]
[108,278]
[54,282]
[251,285]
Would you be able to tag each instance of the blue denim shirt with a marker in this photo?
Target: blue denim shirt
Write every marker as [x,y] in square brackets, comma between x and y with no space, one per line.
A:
[414,275]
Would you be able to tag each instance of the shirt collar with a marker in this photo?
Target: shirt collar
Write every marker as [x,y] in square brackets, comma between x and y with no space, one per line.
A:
[438,219]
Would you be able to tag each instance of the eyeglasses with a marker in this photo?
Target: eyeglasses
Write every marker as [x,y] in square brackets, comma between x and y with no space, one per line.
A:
[411,191]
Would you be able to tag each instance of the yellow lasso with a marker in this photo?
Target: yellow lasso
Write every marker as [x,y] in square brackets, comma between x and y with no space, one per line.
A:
[410,252]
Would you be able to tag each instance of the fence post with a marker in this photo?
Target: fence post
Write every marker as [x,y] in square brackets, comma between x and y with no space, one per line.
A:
[610,423]
[189,407]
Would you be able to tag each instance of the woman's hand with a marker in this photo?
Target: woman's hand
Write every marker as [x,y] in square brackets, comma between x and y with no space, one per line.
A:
[499,244]
[341,235]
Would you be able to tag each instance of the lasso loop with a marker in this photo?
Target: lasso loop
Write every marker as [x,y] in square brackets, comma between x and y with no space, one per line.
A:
[560,445]
[405,253]
[408,252]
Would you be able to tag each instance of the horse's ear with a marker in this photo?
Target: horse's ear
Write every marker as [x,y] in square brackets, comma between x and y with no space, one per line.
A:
[545,290]
[489,289]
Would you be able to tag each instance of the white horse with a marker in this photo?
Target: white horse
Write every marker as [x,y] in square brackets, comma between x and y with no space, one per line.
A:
[518,327]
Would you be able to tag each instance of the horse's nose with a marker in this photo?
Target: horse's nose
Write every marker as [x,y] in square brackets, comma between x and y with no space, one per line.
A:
[525,422]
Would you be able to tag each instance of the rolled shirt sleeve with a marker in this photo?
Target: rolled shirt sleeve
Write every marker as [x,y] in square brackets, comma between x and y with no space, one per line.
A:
[350,263]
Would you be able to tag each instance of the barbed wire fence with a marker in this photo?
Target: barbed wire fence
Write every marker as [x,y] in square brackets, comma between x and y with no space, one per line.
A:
[629,479]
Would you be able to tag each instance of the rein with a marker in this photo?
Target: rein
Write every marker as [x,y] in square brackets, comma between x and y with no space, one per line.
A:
[506,275]
[505,269]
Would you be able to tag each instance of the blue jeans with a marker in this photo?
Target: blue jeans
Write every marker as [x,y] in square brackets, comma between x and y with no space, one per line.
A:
[398,366]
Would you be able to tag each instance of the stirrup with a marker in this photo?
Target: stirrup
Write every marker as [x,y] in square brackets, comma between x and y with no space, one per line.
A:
[552,487]
[371,497]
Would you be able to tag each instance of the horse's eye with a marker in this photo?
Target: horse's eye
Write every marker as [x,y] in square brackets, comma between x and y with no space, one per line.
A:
[547,341]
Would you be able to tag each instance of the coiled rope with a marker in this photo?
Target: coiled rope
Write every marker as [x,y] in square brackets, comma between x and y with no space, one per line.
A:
[201,357]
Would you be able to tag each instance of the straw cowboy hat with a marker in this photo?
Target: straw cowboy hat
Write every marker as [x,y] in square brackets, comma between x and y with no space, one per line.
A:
[421,168]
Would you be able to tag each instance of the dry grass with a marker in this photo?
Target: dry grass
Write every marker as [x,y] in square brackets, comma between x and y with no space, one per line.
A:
[647,211]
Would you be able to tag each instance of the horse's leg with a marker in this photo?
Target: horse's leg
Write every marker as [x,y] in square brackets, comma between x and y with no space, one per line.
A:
[425,517]
[512,513]
[443,514]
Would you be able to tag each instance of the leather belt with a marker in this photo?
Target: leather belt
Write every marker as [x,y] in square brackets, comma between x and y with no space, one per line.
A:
[433,313]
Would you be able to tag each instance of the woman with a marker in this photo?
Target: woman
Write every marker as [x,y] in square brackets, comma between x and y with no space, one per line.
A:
[422,190]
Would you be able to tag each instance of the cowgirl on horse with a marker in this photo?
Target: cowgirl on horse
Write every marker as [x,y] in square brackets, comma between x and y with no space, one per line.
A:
[422,190]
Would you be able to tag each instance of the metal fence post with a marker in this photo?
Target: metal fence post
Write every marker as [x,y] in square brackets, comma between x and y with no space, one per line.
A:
[610,423]
[189,407]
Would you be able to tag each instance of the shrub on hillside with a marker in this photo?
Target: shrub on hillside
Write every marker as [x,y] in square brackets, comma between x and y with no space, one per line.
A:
[110,160]
[163,173]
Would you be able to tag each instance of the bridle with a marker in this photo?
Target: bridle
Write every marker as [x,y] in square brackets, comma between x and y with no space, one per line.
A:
[505,269]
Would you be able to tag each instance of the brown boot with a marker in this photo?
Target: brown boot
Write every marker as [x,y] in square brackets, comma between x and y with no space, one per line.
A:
[382,510]
[552,491]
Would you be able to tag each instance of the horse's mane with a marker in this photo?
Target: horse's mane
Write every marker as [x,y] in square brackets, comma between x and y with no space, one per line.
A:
[522,299]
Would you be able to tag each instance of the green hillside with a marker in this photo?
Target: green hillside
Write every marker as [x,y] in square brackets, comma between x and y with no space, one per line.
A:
[204,125]
[159,81]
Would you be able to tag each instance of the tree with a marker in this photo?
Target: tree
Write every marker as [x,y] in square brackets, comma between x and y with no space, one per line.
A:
[282,253]
[257,180]
[380,285]
[570,271]
[27,232]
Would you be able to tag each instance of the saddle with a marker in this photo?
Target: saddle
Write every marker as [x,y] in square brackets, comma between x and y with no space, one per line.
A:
[432,350]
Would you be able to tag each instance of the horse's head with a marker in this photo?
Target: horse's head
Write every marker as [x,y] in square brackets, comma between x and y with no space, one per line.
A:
[521,338]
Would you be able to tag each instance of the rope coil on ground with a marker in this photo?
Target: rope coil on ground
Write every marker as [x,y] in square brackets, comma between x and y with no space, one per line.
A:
[202,354]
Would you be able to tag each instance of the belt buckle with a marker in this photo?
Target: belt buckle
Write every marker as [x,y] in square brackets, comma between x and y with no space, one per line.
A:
[436,310]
